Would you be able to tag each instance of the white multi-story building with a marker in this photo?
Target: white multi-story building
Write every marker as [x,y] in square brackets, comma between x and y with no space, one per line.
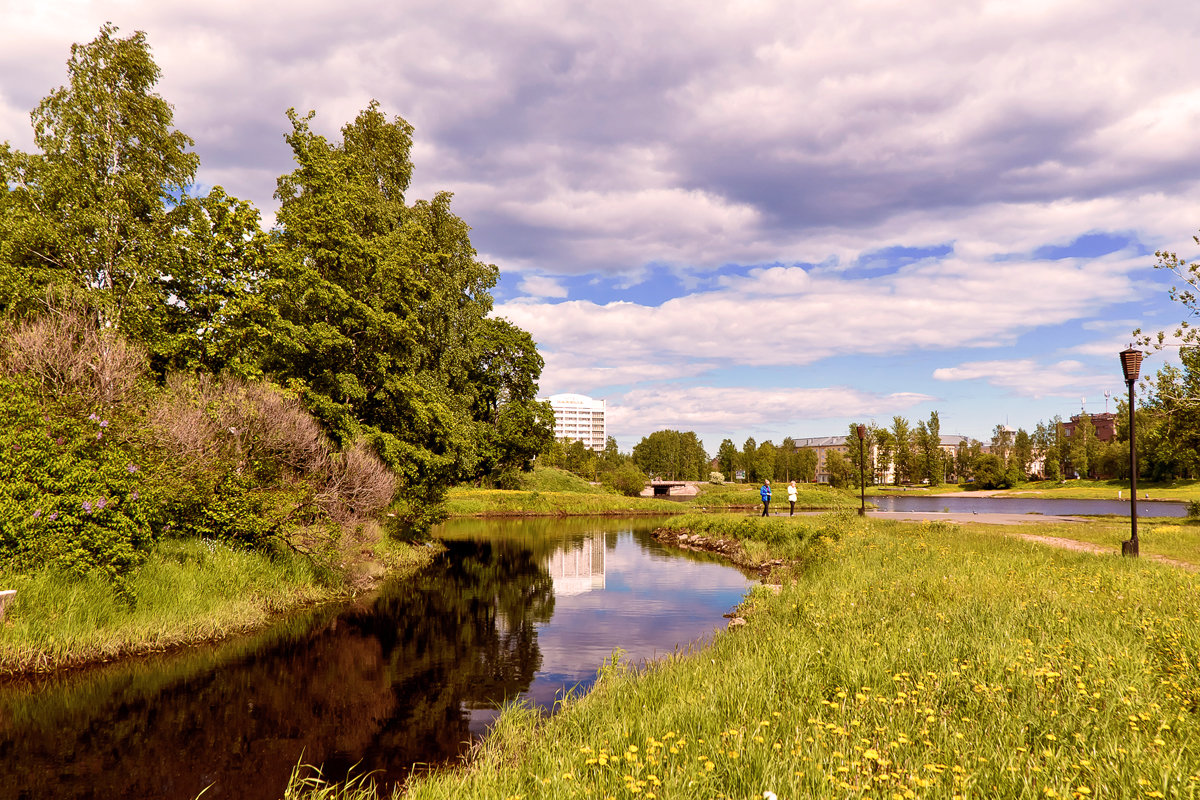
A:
[579,417]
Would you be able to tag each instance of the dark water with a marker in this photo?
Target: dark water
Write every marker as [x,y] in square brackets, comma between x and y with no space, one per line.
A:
[1029,505]
[515,609]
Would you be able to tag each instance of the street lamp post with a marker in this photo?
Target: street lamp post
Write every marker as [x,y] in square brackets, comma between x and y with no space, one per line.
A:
[1131,364]
[862,481]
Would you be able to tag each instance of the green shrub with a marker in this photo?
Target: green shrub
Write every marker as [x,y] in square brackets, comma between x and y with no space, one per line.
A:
[70,487]
[625,479]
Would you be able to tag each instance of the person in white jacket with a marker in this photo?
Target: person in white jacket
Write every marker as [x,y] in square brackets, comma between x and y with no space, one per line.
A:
[792,497]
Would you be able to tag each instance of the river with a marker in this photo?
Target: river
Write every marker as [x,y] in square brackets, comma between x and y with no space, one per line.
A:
[513,609]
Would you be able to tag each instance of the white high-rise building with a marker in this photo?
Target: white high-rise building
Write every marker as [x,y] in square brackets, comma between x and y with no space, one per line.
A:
[579,417]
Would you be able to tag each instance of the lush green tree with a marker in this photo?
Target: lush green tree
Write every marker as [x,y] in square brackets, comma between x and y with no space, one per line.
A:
[935,459]
[839,469]
[612,457]
[927,450]
[902,458]
[625,479]
[727,458]
[581,460]
[867,468]
[1061,445]
[962,461]
[1170,445]
[1022,453]
[673,455]
[785,459]
[1002,441]
[510,426]
[382,306]
[101,217]
[749,452]
[765,461]
[806,464]
[1083,446]
[990,472]
[884,451]
[1042,443]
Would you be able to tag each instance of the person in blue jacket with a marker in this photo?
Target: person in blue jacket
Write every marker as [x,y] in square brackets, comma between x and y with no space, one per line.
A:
[765,493]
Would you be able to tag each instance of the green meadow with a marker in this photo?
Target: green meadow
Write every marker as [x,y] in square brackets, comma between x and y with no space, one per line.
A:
[547,491]
[885,660]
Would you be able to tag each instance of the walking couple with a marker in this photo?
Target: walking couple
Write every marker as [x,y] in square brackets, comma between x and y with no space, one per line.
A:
[765,494]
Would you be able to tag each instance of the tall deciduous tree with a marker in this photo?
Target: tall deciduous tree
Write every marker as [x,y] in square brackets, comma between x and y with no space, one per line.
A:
[1083,447]
[727,458]
[867,468]
[674,455]
[101,215]
[806,464]
[1022,455]
[749,453]
[902,456]
[381,304]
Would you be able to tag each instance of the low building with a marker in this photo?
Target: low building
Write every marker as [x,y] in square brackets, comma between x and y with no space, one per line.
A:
[823,445]
[1105,425]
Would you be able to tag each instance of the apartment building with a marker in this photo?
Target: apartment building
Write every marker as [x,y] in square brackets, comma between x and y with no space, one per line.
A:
[578,417]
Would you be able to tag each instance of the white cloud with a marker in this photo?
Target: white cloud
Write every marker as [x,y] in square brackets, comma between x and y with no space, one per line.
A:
[1030,378]
[608,136]
[786,316]
[721,410]
[612,138]
[542,286]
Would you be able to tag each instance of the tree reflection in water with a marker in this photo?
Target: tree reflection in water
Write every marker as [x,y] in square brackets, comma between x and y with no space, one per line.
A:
[385,685]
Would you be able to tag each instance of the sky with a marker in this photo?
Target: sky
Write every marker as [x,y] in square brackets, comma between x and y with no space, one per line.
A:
[762,219]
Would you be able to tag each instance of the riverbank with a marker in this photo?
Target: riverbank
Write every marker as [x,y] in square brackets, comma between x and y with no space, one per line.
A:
[190,592]
[888,659]
[720,496]
[469,502]
[1073,489]
[551,492]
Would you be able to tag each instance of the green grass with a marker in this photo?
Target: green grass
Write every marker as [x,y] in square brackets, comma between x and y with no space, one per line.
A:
[466,502]
[547,491]
[745,495]
[1173,490]
[1169,537]
[1079,489]
[189,591]
[552,479]
[908,660]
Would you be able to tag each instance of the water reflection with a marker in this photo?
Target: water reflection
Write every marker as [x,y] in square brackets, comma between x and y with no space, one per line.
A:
[575,569]
[406,678]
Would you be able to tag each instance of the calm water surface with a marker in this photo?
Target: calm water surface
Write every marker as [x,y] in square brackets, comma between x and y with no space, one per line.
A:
[514,609]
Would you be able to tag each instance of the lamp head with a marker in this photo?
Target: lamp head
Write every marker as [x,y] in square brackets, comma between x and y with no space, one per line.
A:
[1131,363]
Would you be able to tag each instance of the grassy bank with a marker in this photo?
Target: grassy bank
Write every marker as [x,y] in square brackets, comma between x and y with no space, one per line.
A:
[898,660]
[745,495]
[188,592]
[1075,489]
[552,492]
[501,502]
[1168,537]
